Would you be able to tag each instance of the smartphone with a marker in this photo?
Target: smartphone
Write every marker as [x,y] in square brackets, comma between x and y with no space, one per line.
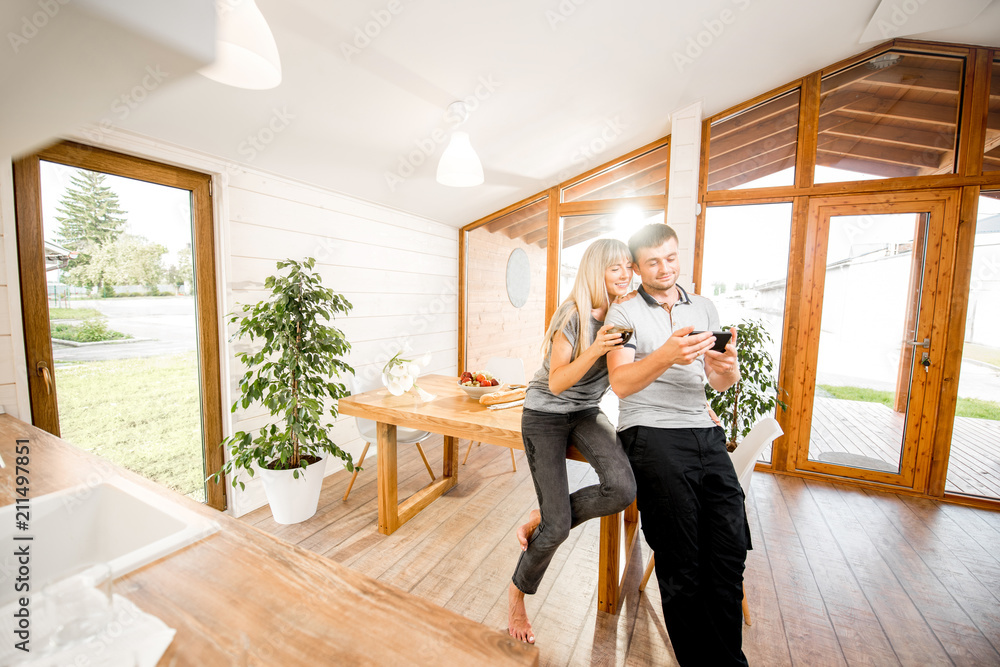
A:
[721,339]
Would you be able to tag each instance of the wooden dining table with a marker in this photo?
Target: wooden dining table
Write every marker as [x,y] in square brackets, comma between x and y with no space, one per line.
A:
[455,415]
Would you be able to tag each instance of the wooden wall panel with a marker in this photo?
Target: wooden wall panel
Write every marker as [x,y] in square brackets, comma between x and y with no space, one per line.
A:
[399,271]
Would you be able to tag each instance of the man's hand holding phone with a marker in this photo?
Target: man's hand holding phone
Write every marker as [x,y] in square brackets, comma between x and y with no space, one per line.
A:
[723,363]
[682,348]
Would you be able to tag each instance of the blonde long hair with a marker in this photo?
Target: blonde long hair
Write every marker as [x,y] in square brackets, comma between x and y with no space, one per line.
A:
[589,291]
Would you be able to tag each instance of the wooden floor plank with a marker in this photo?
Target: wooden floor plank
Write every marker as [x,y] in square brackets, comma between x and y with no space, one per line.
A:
[859,632]
[955,630]
[964,546]
[650,644]
[605,638]
[913,640]
[808,629]
[407,556]
[766,638]
[874,430]
[807,608]
[352,543]
[980,603]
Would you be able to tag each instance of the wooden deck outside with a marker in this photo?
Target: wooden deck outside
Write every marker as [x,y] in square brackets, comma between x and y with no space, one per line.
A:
[838,575]
[870,434]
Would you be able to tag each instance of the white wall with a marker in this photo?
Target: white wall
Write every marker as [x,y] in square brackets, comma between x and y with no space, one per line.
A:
[400,272]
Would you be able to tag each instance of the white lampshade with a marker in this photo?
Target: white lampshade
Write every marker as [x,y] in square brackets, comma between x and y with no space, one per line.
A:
[246,55]
[460,166]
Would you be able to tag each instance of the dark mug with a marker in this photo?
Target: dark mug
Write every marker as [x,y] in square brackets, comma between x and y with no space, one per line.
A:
[624,331]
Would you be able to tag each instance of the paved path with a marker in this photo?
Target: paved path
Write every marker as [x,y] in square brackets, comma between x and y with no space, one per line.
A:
[168,320]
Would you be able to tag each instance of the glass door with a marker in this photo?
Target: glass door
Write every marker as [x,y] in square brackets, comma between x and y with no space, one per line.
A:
[116,260]
[974,455]
[874,335]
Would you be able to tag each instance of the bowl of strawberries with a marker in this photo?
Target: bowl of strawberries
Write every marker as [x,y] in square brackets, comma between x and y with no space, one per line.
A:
[477,383]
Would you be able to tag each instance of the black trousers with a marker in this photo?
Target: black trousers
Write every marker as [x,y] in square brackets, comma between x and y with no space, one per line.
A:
[693,517]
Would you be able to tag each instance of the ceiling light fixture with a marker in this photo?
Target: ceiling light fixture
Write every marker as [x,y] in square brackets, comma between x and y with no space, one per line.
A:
[459,166]
[884,61]
[245,53]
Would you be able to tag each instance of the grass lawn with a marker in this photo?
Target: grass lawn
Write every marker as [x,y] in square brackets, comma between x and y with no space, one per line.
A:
[72,313]
[142,414]
[967,407]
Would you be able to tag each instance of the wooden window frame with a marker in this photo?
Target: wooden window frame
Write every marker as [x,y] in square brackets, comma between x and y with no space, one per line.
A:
[969,178]
[34,300]
[557,209]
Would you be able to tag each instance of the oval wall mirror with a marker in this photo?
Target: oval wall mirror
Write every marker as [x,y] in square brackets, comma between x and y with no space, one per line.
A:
[518,277]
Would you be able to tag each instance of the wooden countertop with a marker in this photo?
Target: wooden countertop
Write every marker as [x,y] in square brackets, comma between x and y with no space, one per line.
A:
[294,606]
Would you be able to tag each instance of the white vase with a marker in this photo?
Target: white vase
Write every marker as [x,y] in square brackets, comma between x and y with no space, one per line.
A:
[294,500]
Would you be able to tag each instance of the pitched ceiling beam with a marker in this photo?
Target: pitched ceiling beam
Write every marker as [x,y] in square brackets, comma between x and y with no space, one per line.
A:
[605,182]
[539,207]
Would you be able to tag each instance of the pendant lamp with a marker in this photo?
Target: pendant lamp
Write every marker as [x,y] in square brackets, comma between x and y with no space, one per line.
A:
[246,55]
[459,166]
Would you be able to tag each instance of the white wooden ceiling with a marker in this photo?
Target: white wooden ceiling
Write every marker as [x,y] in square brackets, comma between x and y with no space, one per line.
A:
[562,86]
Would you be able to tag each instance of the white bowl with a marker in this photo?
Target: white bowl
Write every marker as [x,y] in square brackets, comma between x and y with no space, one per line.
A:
[476,392]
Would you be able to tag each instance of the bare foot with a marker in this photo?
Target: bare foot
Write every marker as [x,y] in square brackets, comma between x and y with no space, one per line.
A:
[517,617]
[525,531]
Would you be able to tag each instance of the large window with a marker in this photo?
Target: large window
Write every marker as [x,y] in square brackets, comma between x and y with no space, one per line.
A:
[505,294]
[645,174]
[124,359]
[893,115]
[974,464]
[756,147]
[579,231]
[991,157]
[745,268]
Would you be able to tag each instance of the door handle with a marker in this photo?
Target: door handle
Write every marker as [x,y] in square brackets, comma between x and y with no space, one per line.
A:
[42,369]
[916,343]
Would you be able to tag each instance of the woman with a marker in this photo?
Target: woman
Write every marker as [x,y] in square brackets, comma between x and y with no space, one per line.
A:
[561,408]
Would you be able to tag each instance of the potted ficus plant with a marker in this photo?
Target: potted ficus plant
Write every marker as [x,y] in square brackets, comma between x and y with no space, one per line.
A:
[757,392]
[292,374]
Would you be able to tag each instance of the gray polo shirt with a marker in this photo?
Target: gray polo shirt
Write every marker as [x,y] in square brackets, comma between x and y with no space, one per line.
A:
[676,399]
[586,393]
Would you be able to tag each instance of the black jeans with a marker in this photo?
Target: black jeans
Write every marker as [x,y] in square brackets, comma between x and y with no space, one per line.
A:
[546,436]
[692,514]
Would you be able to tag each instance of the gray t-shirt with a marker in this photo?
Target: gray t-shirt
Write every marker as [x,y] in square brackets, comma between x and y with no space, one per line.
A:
[584,394]
[676,399]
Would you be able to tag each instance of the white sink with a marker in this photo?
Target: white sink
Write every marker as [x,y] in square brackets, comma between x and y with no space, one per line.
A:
[115,522]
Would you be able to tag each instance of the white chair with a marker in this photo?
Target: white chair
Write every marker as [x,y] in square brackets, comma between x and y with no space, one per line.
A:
[744,457]
[508,370]
[367,428]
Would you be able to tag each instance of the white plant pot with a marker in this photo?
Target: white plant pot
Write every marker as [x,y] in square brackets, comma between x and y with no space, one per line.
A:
[294,500]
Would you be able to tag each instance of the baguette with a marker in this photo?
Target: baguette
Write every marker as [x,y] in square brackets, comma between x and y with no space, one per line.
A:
[504,396]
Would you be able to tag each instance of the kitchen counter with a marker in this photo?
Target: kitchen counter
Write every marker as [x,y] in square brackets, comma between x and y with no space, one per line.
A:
[242,587]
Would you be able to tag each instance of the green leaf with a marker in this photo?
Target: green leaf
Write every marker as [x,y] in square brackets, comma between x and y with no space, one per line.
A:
[290,371]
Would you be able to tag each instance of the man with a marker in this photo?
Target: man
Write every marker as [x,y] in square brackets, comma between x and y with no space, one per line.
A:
[689,497]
